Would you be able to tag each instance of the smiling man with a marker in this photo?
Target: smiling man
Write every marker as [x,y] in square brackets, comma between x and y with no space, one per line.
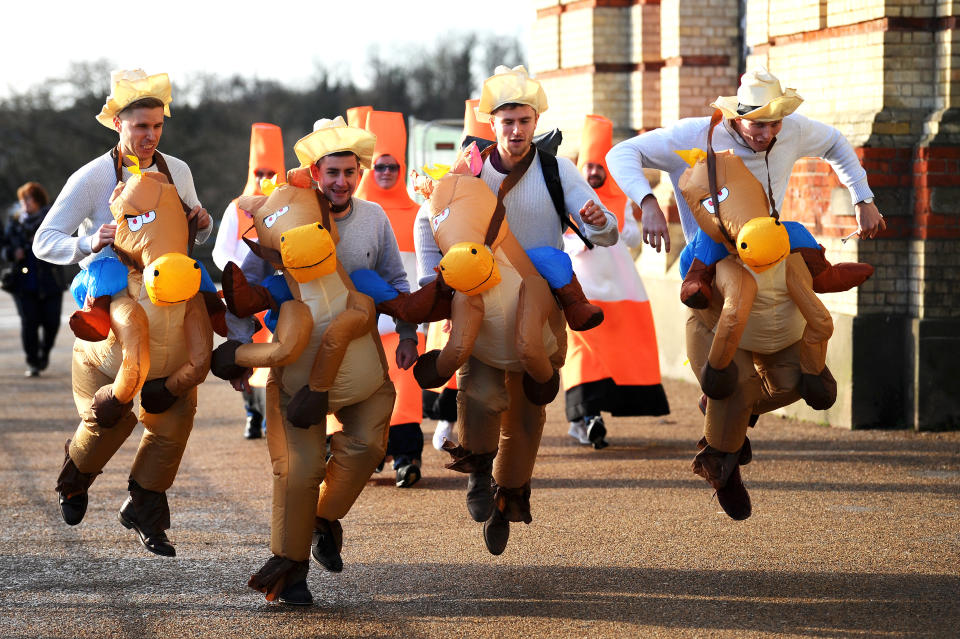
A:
[80,228]
[334,154]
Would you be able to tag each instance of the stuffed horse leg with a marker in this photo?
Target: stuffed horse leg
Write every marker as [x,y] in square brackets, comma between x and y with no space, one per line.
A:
[817,385]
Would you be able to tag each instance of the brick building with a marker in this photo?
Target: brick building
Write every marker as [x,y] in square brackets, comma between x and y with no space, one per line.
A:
[884,72]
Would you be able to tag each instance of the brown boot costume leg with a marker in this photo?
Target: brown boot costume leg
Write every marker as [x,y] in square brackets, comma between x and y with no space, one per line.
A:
[580,313]
[92,322]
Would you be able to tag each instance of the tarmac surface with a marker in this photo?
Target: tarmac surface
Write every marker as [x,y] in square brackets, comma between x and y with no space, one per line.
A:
[853,534]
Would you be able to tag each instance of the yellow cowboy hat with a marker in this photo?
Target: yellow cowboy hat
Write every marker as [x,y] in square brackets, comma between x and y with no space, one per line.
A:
[331,136]
[507,86]
[759,98]
[129,85]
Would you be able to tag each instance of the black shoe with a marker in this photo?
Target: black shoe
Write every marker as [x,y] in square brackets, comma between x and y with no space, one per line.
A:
[32,372]
[408,475]
[327,542]
[496,532]
[296,594]
[480,492]
[155,542]
[73,508]
[254,428]
[734,498]
[596,431]
[379,468]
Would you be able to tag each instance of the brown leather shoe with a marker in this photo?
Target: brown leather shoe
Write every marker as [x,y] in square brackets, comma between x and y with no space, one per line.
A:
[496,532]
[734,498]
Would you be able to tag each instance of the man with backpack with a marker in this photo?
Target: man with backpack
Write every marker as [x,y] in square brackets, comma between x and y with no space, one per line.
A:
[536,212]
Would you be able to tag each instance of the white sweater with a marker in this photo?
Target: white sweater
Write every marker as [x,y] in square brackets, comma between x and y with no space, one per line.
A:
[84,205]
[800,137]
[530,213]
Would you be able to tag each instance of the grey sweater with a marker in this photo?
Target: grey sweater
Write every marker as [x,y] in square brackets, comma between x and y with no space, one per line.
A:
[366,242]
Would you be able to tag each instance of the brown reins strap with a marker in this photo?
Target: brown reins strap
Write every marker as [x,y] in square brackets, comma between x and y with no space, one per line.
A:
[324,208]
[712,175]
[518,171]
[162,168]
[766,159]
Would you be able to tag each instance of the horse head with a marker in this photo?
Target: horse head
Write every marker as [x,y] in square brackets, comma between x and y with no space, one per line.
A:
[153,236]
[294,231]
[740,218]
[461,210]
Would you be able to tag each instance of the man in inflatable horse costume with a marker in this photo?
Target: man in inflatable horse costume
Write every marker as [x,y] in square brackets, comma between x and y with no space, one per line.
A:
[762,343]
[158,346]
[326,357]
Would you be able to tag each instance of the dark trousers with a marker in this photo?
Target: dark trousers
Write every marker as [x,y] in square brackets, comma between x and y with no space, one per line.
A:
[38,314]
[405,444]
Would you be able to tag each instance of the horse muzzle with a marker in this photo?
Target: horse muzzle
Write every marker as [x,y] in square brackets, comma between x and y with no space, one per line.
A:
[308,252]
[172,279]
[470,268]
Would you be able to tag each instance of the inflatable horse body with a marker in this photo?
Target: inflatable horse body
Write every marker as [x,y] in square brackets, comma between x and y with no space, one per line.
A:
[503,312]
[762,342]
[324,335]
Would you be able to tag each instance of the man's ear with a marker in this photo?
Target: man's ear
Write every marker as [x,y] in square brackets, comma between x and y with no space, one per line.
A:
[116,123]
[315,173]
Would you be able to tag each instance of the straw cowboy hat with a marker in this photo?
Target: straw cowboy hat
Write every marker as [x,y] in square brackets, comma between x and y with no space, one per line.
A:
[759,98]
[508,86]
[128,86]
[332,136]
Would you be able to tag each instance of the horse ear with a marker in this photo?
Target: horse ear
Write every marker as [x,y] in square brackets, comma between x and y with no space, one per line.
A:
[117,190]
[264,252]
[251,203]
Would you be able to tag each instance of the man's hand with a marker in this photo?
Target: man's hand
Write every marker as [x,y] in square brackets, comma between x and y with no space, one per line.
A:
[869,220]
[592,214]
[203,218]
[654,224]
[103,237]
[19,254]
[406,353]
[242,383]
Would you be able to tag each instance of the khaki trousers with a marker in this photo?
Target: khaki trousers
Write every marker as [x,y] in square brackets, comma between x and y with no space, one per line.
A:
[493,414]
[161,447]
[305,483]
[764,383]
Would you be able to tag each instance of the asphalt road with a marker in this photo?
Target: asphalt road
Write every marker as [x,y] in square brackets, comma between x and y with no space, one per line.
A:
[854,534]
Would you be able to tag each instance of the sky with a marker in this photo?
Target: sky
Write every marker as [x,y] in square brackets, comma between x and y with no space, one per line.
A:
[181,37]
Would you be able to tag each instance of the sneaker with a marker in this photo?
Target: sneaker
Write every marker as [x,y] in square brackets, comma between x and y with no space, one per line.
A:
[327,542]
[596,431]
[254,428]
[32,372]
[408,475]
[444,431]
[578,430]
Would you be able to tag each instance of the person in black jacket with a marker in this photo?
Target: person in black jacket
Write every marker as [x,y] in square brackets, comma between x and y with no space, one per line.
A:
[37,285]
